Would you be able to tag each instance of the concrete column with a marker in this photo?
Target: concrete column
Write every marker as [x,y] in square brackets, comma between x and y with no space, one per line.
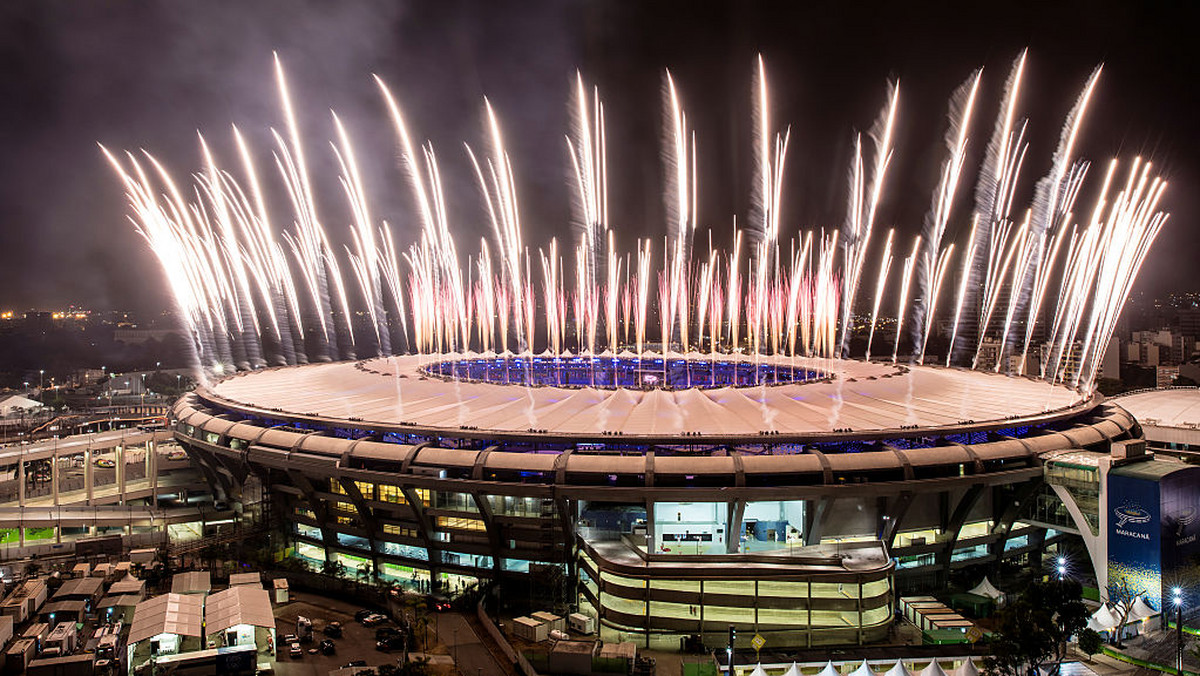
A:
[21,481]
[54,473]
[120,454]
[152,470]
[88,474]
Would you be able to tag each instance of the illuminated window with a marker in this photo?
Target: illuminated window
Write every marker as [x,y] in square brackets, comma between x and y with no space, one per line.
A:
[366,488]
[391,494]
[395,529]
[459,523]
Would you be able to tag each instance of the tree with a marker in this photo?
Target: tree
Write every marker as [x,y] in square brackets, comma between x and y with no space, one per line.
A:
[333,568]
[1032,632]
[1123,596]
[1089,641]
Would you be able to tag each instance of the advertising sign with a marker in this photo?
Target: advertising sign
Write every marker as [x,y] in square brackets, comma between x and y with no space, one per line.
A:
[1135,534]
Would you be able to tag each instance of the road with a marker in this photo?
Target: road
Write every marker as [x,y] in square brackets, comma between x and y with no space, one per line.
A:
[472,656]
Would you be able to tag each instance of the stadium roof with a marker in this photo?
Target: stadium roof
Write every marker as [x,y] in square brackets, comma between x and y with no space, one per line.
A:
[1174,407]
[860,397]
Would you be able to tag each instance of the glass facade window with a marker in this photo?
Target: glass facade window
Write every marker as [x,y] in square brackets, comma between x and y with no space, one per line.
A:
[912,538]
[346,508]
[460,523]
[394,529]
[455,502]
[404,551]
[508,505]
[305,512]
[308,531]
[1016,543]
[389,493]
[968,553]
[515,565]
[310,553]
[353,541]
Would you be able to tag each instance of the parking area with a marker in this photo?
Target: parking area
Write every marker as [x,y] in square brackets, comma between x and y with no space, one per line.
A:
[357,642]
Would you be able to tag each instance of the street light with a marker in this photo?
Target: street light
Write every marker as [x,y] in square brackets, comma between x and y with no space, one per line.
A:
[1062,568]
[1177,599]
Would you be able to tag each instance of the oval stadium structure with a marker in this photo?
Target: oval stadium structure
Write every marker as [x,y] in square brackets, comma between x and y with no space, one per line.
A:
[799,496]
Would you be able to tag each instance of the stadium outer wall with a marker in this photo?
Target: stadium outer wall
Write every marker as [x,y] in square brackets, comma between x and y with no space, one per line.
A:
[433,509]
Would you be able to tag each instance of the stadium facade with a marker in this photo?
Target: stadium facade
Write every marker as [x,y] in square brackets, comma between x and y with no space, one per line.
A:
[798,507]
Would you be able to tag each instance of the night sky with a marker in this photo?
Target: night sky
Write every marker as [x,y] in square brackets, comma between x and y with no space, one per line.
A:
[148,75]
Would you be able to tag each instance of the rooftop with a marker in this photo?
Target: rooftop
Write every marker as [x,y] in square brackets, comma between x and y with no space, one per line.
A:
[1173,407]
[856,396]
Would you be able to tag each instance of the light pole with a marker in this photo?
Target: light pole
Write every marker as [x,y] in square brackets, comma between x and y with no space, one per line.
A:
[1177,599]
[41,378]
[1062,568]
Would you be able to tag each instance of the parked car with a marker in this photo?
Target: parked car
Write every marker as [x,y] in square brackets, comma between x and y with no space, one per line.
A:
[360,614]
[327,647]
[386,632]
[289,639]
[437,603]
[355,663]
[333,629]
[373,619]
[295,652]
[390,643]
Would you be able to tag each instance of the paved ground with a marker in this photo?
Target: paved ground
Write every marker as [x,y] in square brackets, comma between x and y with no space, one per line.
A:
[452,636]
[357,642]
[472,656]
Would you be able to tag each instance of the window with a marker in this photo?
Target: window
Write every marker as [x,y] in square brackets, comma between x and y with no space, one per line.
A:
[396,529]
[459,523]
[391,494]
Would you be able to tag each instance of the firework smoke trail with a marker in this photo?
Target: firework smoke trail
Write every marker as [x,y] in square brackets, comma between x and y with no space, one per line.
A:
[1003,246]
[885,266]
[733,291]
[612,295]
[1055,193]
[768,162]
[1041,282]
[939,275]
[157,229]
[270,265]
[365,260]
[1132,226]
[861,213]
[589,182]
[212,186]
[905,285]
[498,188]
[998,177]
[963,280]
[679,156]
[962,105]
[306,244]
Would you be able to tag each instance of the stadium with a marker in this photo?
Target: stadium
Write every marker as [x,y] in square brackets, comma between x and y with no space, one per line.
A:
[797,497]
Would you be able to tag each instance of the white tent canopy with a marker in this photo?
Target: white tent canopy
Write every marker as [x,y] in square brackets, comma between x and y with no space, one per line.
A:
[1141,610]
[863,669]
[793,670]
[986,588]
[934,669]
[758,671]
[15,404]
[899,670]
[829,670]
[1102,619]
[968,668]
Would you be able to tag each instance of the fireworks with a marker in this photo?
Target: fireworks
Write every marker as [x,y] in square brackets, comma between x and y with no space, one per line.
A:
[253,294]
